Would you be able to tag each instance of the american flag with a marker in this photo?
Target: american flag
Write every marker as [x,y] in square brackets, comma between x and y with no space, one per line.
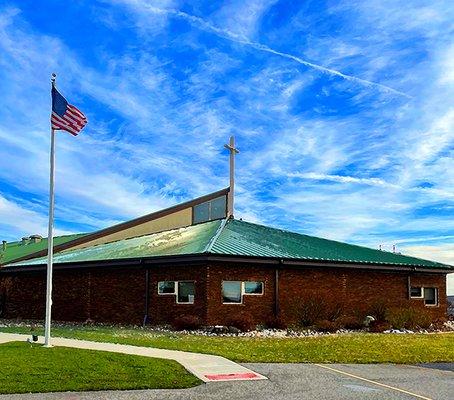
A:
[64,116]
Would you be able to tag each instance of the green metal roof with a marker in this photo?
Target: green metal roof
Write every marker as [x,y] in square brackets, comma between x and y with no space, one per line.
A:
[246,239]
[238,238]
[190,240]
[17,250]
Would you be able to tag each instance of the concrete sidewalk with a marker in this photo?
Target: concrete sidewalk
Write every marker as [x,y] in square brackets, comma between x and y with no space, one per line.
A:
[206,367]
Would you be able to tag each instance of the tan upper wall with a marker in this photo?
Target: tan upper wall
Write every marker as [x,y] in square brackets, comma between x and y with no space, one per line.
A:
[175,220]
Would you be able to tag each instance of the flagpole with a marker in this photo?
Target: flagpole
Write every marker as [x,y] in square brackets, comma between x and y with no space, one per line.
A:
[50,236]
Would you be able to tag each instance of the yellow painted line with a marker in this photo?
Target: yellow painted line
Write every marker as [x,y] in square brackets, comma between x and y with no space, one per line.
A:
[373,382]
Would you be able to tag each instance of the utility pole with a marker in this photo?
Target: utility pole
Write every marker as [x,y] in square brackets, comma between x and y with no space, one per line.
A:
[233,151]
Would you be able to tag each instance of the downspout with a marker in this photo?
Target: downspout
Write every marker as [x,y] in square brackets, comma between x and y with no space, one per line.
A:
[409,283]
[408,286]
[276,289]
[147,294]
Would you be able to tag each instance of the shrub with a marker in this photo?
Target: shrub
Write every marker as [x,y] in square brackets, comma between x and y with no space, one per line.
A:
[186,322]
[327,326]
[379,326]
[243,321]
[397,318]
[311,310]
[350,322]
[378,311]
[408,318]
[275,323]
[333,311]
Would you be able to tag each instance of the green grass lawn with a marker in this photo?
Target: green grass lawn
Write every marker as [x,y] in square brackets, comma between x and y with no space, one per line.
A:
[28,368]
[352,348]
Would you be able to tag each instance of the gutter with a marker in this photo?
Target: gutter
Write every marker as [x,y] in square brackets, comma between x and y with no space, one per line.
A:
[209,257]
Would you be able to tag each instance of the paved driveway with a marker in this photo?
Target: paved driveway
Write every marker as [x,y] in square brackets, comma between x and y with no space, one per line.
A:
[302,381]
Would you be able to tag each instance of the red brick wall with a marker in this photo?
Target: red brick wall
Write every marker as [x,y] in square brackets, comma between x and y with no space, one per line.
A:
[261,308]
[103,296]
[354,291]
[24,296]
[164,309]
[118,295]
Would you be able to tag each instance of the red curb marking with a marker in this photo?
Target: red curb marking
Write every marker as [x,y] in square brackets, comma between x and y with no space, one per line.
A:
[244,375]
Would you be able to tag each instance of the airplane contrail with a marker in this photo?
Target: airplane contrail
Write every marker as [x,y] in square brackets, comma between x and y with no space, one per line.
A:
[226,34]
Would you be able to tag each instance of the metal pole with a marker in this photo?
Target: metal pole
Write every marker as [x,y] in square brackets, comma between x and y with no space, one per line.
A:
[232,174]
[231,197]
[50,237]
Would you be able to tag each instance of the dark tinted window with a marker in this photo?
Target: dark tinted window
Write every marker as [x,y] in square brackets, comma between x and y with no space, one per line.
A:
[210,210]
[186,291]
[430,296]
[201,212]
[231,292]
[218,208]
[166,287]
[253,287]
[416,292]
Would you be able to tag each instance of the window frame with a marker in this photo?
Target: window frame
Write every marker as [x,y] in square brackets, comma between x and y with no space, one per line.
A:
[254,294]
[176,290]
[436,304]
[209,203]
[168,294]
[243,292]
[421,296]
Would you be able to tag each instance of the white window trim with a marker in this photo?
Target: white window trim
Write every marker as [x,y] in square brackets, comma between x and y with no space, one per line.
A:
[253,294]
[232,303]
[417,297]
[436,297]
[175,293]
[168,294]
[243,293]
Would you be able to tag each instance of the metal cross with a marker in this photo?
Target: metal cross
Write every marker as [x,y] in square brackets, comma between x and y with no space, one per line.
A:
[233,150]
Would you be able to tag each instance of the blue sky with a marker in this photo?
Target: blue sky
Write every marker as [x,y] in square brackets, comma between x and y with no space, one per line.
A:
[342,111]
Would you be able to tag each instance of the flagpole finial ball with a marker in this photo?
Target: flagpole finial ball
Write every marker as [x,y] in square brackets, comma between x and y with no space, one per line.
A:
[54,75]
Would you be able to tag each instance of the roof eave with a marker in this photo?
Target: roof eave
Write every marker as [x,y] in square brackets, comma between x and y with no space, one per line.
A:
[211,257]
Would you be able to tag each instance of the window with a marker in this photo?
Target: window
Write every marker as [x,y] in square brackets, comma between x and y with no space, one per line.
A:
[233,291]
[430,296]
[253,287]
[210,210]
[416,292]
[201,212]
[218,207]
[184,291]
[166,287]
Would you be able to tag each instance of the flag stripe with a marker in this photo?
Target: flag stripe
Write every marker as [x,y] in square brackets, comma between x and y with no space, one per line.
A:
[76,111]
[61,126]
[63,120]
[72,121]
[61,123]
[65,116]
[75,114]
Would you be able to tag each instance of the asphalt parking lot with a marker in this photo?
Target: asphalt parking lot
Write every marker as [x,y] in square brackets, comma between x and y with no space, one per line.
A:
[302,381]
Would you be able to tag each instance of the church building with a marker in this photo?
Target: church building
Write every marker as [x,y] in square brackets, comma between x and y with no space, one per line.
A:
[196,259]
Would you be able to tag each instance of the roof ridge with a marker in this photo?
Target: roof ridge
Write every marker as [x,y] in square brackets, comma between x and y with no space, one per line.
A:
[211,243]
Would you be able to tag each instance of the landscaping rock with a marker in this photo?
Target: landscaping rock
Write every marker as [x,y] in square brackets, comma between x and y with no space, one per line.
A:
[232,329]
